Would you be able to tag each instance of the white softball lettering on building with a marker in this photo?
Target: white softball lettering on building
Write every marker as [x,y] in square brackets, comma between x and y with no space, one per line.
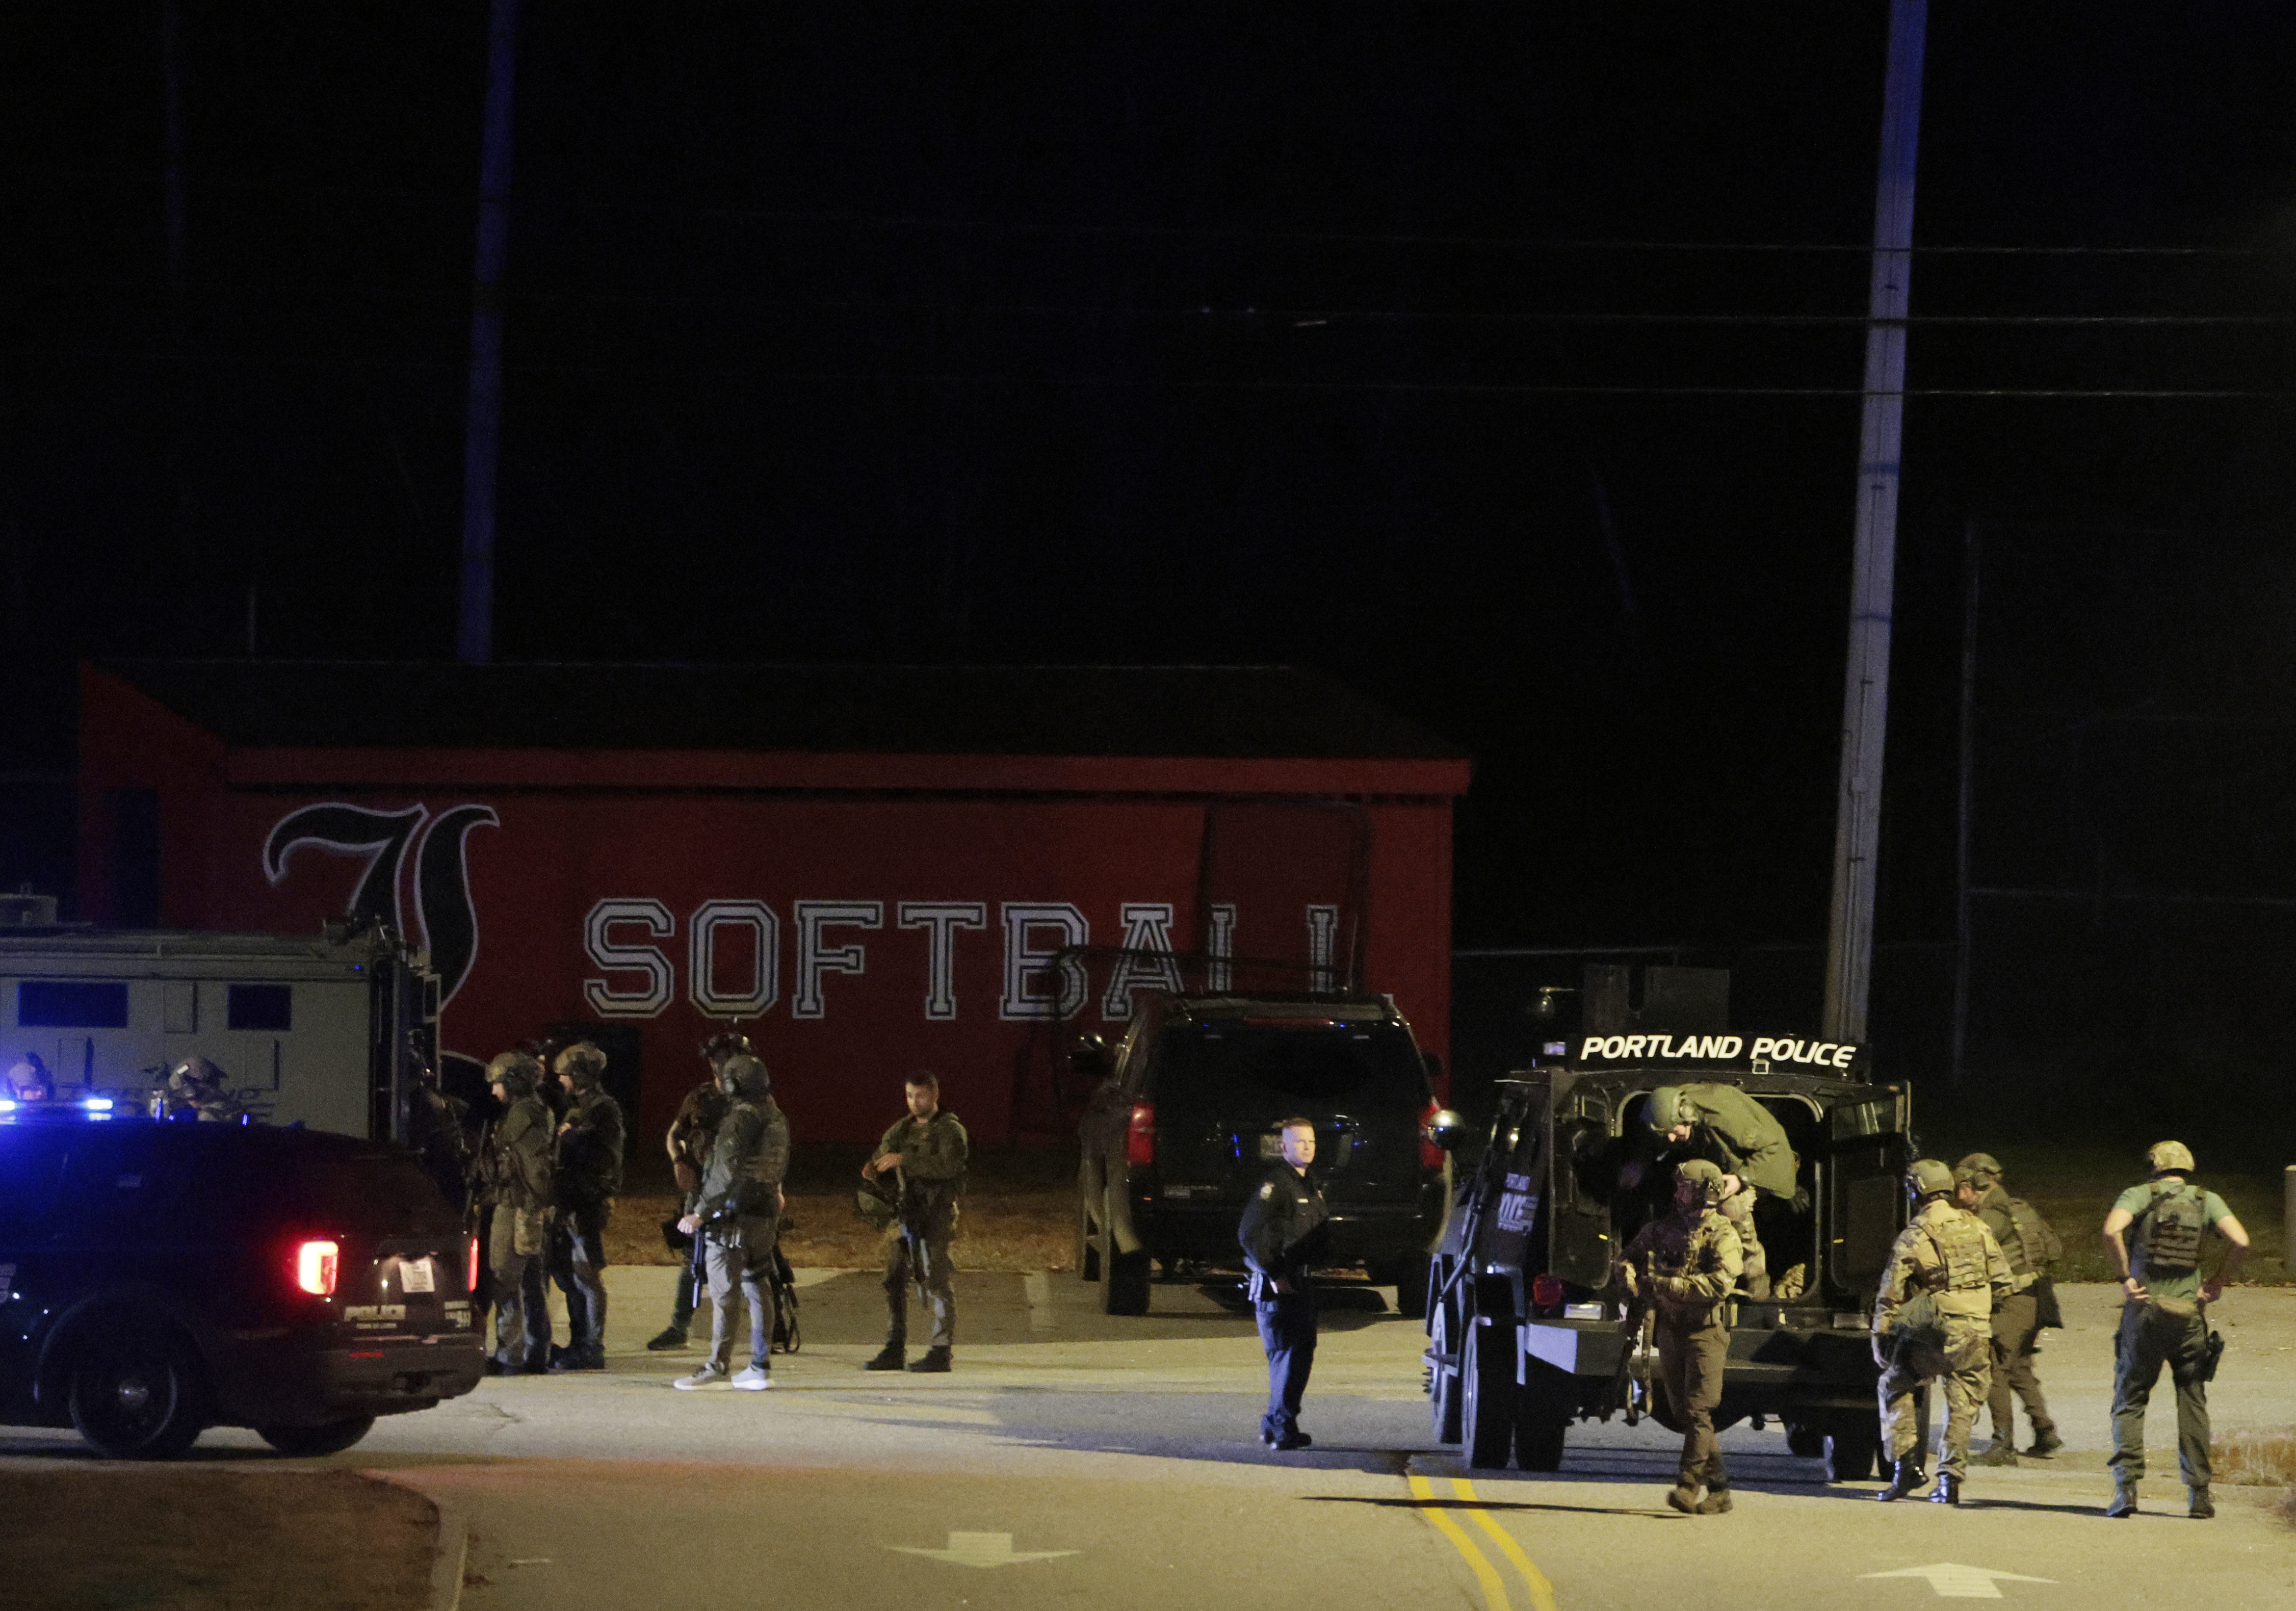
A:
[940,920]
[612,957]
[1147,962]
[1041,980]
[1219,965]
[815,918]
[755,997]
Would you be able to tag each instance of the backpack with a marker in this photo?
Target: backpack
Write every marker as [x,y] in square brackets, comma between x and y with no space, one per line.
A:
[2041,1244]
[2173,1224]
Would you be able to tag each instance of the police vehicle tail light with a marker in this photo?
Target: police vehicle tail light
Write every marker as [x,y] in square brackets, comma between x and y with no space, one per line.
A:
[1430,1156]
[471,1266]
[1547,1290]
[1140,1134]
[315,1264]
[7,1105]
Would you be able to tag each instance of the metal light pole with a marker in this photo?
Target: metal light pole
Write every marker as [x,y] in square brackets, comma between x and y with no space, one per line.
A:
[474,635]
[1865,693]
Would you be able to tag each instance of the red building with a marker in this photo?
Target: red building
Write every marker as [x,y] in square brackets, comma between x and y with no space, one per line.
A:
[872,869]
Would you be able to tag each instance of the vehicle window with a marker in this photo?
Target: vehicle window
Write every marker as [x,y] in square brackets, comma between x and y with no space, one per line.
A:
[119,1182]
[269,1007]
[72,1004]
[29,1163]
[1372,1066]
[376,1191]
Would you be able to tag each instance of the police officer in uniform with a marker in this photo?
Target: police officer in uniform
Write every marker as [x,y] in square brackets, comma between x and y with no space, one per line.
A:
[2154,1236]
[688,1144]
[737,1214]
[517,1174]
[1933,1322]
[1728,1128]
[2030,1246]
[1283,1234]
[589,1177]
[1687,1263]
[926,1151]
[195,1090]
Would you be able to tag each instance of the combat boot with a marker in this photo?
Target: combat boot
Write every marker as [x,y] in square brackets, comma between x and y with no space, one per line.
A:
[1947,1491]
[2204,1507]
[668,1337]
[892,1356]
[1716,1501]
[935,1362]
[2046,1442]
[2000,1451]
[1908,1478]
[1684,1497]
[2124,1500]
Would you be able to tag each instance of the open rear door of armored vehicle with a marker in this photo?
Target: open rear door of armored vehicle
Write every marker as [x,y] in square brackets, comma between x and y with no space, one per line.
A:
[1864,1206]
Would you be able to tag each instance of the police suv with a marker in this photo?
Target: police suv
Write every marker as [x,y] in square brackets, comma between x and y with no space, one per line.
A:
[1526,1330]
[158,1278]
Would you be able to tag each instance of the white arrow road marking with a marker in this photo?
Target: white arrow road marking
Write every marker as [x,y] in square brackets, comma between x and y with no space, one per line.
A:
[1950,1582]
[981,1550]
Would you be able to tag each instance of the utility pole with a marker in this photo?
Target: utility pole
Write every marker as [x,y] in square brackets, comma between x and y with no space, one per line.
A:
[1865,692]
[475,636]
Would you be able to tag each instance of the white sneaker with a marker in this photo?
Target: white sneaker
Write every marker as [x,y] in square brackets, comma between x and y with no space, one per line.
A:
[750,1378]
[704,1376]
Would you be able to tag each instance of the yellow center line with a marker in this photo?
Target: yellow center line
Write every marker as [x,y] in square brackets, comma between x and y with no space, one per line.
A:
[1542,1593]
[1495,1595]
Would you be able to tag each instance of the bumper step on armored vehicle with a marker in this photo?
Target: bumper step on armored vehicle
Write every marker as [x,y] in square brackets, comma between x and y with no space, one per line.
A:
[1527,1326]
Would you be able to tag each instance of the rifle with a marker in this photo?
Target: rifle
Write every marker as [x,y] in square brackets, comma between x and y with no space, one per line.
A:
[1633,1341]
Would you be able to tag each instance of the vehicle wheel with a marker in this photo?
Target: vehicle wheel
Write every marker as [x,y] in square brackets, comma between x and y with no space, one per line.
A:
[1486,1395]
[1542,1416]
[1807,1442]
[1123,1276]
[1408,1277]
[308,1443]
[133,1393]
[1443,1381]
[1088,1252]
[1851,1448]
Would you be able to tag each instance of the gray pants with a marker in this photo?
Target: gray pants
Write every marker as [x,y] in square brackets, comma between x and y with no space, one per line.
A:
[741,1266]
[2150,1338]
[578,1265]
[932,1282]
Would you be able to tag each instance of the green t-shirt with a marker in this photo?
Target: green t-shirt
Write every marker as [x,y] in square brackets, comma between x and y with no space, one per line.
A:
[2137,1202]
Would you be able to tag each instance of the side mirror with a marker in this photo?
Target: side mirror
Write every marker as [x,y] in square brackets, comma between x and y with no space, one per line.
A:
[1447,1130]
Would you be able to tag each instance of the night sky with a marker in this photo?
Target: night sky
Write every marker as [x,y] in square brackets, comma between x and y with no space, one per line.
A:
[1501,359]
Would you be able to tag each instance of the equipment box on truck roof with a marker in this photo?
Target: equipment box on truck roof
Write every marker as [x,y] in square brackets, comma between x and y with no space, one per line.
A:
[1526,1328]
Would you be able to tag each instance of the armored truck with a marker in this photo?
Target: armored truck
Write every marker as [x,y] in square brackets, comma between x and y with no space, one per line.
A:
[1527,1330]
[330,1030]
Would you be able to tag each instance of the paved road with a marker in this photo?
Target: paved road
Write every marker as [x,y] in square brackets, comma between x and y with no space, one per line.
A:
[1111,1462]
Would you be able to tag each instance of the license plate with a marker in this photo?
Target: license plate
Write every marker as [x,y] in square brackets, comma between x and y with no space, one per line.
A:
[415,1276]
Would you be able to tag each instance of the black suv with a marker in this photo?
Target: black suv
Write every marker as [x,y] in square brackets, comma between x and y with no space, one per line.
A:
[1185,1127]
[159,1279]
[1526,1332]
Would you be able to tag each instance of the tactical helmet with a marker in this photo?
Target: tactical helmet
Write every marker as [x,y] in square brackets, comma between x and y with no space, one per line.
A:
[29,1074]
[725,1044]
[743,1075]
[1980,1163]
[2170,1157]
[1664,1110]
[1967,1177]
[582,1063]
[1707,1177]
[194,1073]
[1928,1178]
[517,1072]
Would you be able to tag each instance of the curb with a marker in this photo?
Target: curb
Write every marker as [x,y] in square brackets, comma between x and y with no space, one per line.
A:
[452,1558]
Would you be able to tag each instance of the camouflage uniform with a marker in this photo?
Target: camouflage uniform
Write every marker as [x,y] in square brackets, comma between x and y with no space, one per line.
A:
[1732,1130]
[738,1205]
[1950,1255]
[517,1172]
[1688,1262]
[934,1153]
[2017,1323]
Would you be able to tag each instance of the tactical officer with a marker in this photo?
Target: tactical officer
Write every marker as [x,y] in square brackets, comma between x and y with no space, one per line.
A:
[925,1152]
[517,1172]
[688,1144]
[1687,1263]
[28,1080]
[590,1178]
[1932,1321]
[2030,1246]
[195,1090]
[437,1128]
[1728,1128]
[736,1214]
[1284,1236]
[2154,1236]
